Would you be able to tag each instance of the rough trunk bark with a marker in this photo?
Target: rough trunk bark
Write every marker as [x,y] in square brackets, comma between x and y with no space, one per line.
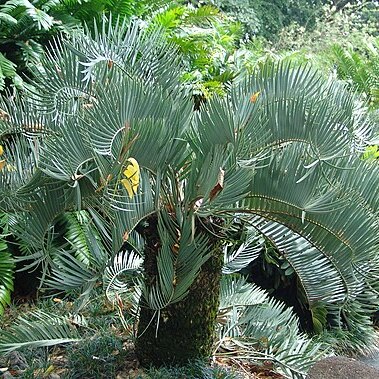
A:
[185,330]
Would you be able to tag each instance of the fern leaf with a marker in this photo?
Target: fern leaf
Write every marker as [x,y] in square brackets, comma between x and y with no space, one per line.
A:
[7,267]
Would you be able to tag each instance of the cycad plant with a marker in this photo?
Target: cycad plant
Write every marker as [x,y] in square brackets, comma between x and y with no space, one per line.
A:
[109,134]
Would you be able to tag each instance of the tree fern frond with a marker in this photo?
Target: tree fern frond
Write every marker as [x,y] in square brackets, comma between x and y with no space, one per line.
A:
[202,15]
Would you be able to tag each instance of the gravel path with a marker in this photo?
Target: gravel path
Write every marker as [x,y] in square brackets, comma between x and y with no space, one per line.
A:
[342,368]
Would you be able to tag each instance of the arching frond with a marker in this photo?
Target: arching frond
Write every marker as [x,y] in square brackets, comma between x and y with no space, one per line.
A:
[40,329]
[260,328]
[248,251]
[18,171]
[118,277]
[143,54]
[298,105]
[35,228]
[70,271]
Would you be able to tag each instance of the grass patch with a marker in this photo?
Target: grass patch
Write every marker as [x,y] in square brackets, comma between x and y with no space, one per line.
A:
[97,357]
[196,370]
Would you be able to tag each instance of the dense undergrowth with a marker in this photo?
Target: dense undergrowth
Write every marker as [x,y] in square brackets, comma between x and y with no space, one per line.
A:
[105,350]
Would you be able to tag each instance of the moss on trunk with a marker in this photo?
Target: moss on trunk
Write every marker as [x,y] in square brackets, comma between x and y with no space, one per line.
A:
[185,330]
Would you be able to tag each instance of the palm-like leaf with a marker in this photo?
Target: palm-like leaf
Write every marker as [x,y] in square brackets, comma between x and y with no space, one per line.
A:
[75,268]
[249,250]
[263,328]
[176,270]
[7,267]
[18,133]
[40,329]
[124,265]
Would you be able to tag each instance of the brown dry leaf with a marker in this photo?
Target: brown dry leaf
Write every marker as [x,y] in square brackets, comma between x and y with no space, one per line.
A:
[4,116]
[219,185]
[254,96]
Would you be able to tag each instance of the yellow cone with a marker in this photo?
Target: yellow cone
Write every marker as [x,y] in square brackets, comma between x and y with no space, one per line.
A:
[132,177]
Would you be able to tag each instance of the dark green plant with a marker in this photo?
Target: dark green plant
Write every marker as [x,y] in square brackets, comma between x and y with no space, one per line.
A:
[208,40]
[267,18]
[27,27]
[360,69]
[242,11]
[7,265]
[194,370]
[100,356]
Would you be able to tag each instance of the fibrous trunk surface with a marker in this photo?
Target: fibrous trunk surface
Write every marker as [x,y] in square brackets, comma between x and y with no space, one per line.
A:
[183,331]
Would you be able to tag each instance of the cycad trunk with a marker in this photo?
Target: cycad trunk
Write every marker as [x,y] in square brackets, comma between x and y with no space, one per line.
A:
[185,330]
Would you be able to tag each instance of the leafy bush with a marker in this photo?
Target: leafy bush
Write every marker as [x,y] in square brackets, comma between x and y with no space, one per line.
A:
[346,28]
[268,18]
[360,69]
[208,41]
